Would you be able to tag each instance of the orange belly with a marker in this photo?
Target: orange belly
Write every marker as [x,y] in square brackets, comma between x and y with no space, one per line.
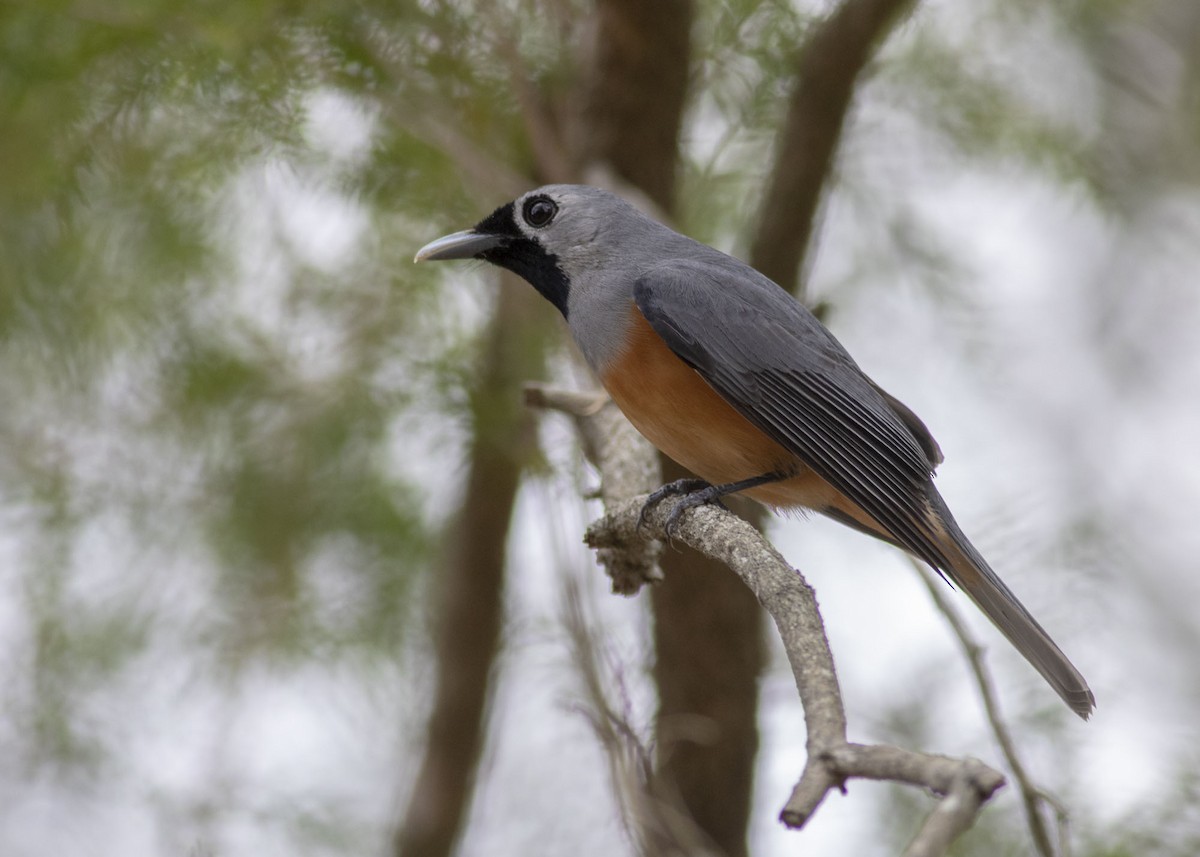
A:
[677,411]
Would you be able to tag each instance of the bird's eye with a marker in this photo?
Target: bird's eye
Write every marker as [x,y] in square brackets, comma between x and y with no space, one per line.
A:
[539,211]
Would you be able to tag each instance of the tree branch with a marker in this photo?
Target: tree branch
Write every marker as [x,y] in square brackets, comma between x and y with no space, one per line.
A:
[965,784]
[708,643]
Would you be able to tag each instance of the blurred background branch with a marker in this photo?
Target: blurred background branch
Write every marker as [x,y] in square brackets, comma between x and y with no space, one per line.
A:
[1032,797]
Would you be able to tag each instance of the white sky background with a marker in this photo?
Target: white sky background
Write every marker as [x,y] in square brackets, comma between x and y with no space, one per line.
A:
[1039,432]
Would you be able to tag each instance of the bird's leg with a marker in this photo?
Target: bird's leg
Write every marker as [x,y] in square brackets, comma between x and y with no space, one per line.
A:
[697,492]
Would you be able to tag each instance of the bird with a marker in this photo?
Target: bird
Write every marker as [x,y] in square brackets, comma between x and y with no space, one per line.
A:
[725,372]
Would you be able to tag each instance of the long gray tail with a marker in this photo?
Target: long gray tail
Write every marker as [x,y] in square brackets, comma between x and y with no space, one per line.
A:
[969,571]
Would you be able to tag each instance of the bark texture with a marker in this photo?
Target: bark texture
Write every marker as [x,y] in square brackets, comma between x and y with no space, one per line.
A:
[964,784]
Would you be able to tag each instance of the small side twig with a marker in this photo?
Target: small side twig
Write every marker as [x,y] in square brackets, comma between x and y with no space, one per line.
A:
[954,815]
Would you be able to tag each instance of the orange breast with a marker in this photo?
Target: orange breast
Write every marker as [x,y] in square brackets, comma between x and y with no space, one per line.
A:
[678,412]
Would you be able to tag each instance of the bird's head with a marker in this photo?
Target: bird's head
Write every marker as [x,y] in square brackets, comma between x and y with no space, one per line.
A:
[551,236]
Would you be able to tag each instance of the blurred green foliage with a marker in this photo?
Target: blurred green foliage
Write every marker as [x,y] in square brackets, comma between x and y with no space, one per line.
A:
[157,371]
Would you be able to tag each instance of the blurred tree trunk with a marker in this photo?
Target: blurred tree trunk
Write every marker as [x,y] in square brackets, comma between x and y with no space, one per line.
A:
[707,625]
[710,652]
[470,582]
[635,91]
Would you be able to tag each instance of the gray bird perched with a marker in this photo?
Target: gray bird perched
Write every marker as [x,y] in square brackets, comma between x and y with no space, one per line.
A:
[729,375]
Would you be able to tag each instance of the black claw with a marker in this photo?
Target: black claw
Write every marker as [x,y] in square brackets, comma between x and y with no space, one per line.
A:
[671,489]
[692,493]
[690,501]
[697,492]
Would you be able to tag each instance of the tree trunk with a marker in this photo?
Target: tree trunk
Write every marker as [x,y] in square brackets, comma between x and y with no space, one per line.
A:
[708,638]
[707,625]
[635,91]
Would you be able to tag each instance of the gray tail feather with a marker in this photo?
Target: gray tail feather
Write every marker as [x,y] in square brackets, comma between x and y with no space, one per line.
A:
[969,571]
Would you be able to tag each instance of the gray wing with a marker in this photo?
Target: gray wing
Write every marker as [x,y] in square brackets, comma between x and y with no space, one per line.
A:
[775,364]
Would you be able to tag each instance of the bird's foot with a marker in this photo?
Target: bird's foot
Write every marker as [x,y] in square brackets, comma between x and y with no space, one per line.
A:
[691,493]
